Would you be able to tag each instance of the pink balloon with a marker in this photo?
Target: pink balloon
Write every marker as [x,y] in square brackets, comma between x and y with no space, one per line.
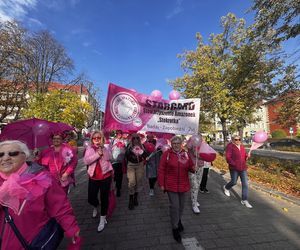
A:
[207,153]
[133,90]
[161,142]
[209,157]
[189,144]
[40,128]
[156,94]
[196,140]
[260,136]
[165,147]
[174,95]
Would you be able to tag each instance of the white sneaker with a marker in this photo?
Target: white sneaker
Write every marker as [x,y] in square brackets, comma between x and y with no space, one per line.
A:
[151,192]
[246,203]
[226,191]
[196,210]
[197,204]
[95,212]
[102,223]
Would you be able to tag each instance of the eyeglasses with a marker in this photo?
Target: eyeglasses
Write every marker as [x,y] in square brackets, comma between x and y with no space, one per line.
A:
[11,154]
[97,138]
[237,139]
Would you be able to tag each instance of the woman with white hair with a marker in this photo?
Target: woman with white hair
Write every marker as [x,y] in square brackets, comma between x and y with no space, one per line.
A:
[31,197]
[173,178]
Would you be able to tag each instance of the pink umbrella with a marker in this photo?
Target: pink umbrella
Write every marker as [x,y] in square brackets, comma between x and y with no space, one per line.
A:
[61,127]
[34,132]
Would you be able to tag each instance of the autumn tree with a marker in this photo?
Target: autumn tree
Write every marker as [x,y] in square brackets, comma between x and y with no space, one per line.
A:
[14,82]
[232,74]
[59,106]
[280,17]
[47,61]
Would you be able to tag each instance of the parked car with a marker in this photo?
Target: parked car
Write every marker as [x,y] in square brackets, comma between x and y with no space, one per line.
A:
[287,142]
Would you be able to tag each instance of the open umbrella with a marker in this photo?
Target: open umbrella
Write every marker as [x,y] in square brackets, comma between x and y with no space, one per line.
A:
[61,127]
[34,132]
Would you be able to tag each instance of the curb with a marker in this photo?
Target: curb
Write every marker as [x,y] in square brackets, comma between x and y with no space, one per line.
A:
[269,191]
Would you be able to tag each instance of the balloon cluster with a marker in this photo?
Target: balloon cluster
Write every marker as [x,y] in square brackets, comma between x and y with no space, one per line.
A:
[202,149]
[194,141]
[157,95]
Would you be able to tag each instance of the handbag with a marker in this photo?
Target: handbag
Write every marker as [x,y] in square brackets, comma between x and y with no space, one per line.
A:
[48,238]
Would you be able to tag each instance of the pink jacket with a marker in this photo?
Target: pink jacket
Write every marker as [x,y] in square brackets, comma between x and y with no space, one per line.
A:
[91,157]
[235,157]
[59,165]
[36,213]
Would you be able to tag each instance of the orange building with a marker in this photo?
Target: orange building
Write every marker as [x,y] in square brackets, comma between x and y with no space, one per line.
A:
[273,109]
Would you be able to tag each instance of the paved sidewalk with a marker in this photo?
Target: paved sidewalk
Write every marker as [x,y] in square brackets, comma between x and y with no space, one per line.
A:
[222,224]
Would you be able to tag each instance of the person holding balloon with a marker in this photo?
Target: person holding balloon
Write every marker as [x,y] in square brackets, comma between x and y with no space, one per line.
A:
[236,157]
[173,178]
[60,159]
[152,161]
[193,146]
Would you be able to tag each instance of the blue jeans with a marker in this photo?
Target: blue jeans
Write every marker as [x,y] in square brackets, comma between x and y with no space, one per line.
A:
[244,179]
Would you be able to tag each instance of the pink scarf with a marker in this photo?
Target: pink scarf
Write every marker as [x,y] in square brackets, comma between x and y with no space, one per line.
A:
[20,187]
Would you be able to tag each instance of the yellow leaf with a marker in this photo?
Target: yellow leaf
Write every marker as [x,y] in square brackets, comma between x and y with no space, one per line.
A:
[285,209]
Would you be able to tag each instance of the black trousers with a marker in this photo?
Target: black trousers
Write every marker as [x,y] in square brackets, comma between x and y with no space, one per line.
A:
[118,174]
[93,189]
[152,182]
[204,178]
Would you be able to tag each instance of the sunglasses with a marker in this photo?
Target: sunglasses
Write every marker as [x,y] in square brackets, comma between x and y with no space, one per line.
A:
[97,138]
[11,154]
[237,139]
[56,138]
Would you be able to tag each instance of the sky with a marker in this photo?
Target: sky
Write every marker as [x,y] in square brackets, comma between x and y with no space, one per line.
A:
[132,43]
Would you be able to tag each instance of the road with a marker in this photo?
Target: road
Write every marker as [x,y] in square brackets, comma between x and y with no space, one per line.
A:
[268,153]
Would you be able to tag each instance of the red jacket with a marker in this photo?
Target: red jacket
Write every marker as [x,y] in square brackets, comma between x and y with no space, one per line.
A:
[173,171]
[235,157]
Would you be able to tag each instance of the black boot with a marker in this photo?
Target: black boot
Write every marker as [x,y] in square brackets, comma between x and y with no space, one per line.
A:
[176,235]
[130,205]
[180,226]
[135,201]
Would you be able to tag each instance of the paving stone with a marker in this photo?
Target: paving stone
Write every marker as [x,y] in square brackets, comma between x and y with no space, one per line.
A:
[222,224]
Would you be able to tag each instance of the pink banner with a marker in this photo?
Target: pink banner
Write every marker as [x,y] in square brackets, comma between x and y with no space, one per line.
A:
[132,111]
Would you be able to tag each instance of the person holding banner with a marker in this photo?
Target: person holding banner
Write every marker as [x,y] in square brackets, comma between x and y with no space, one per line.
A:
[135,156]
[173,178]
[236,157]
[118,147]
